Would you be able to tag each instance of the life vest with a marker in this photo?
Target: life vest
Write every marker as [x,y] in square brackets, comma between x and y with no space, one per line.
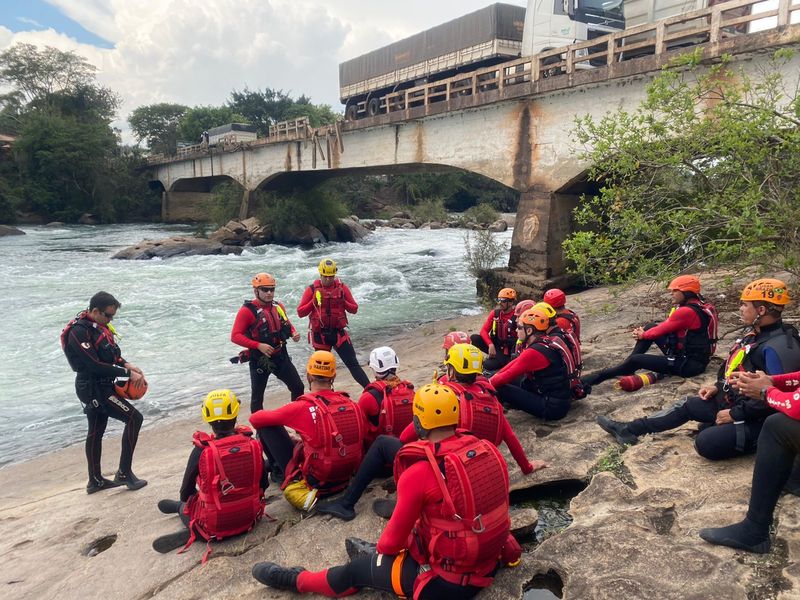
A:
[332,453]
[395,408]
[574,321]
[461,538]
[328,311]
[698,344]
[102,339]
[479,411]
[560,379]
[503,332]
[229,500]
[271,325]
[573,345]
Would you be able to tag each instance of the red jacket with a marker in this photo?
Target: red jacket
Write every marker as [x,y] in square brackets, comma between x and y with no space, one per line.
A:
[530,360]
[682,319]
[307,302]
[785,396]
[503,319]
[245,319]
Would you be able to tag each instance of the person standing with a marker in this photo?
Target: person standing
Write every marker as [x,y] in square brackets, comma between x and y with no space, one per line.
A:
[92,352]
[326,303]
[263,327]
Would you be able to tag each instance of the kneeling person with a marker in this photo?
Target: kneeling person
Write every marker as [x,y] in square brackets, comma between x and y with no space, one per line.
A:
[443,540]
[386,402]
[222,493]
[331,428]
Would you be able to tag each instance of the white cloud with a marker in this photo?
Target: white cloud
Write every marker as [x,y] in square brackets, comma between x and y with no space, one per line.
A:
[196,52]
[28,21]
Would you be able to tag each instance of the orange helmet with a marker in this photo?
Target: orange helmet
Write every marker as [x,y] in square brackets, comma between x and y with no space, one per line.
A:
[685,283]
[263,279]
[773,291]
[506,294]
[131,390]
[453,338]
[522,306]
[321,363]
[537,318]
[555,298]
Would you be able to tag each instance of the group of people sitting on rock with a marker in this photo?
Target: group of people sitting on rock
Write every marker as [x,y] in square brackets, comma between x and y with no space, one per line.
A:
[449,529]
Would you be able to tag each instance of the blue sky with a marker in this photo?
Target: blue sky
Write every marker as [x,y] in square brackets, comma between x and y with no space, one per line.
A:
[27,15]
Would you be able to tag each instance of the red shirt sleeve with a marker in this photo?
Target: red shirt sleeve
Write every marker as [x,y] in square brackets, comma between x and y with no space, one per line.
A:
[510,438]
[306,303]
[787,382]
[529,361]
[350,304]
[294,415]
[416,488]
[369,405]
[681,319]
[409,434]
[487,327]
[244,320]
[786,402]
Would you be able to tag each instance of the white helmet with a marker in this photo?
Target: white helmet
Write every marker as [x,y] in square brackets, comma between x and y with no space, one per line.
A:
[382,359]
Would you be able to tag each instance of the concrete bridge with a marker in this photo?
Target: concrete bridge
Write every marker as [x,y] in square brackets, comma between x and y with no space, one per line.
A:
[510,123]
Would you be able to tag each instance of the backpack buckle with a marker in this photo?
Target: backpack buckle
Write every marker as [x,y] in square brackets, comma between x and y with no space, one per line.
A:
[226,487]
[479,520]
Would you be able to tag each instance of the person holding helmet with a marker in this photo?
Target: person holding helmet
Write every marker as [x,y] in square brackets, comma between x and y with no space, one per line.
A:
[89,343]
[326,303]
[321,462]
[386,402]
[444,540]
[263,328]
[687,338]
[228,457]
[497,337]
[731,421]
[566,319]
[538,380]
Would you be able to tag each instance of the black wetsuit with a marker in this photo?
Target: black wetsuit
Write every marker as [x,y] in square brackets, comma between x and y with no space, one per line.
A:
[95,357]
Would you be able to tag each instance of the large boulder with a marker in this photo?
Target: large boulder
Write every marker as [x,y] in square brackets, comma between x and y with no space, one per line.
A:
[349,230]
[498,226]
[176,246]
[304,235]
[88,219]
[8,230]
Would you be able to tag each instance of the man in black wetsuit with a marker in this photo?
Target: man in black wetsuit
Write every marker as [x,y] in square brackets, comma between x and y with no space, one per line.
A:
[92,352]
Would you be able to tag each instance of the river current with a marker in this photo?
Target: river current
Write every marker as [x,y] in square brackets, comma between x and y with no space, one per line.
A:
[176,314]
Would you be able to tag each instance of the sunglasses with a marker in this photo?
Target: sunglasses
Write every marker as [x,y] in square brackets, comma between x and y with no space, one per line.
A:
[266,289]
[108,316]
[504,299]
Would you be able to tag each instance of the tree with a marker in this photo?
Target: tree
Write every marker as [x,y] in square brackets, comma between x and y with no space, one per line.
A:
[202,118]
[157,125]
[705,172]
[261,108]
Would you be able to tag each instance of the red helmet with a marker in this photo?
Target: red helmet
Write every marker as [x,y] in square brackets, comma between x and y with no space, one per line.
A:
[522,306]
[453,338]
[685,283]
[131,390]
[555,298]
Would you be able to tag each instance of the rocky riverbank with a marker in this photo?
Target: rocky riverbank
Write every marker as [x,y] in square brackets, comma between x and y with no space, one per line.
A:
[634,533]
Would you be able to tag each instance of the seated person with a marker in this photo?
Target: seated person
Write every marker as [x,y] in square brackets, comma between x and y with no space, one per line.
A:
[497,337]
[207,507]
[386,402]
[321,463]
[431,548]
[566,319]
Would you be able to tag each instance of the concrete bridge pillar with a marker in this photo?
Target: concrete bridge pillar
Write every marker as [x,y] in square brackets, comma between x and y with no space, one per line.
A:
[244,208]
[182,207]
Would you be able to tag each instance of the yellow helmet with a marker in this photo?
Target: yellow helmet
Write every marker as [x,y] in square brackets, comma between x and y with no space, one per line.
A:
[435,405]
[322,364]
[466,359]
[546,309]
[327,267]
[300,495]
[220,405]
[773,291]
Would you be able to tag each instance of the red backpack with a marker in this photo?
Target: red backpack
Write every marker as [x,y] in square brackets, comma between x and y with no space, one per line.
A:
[574,319]
[229,500]
[463,537]
[395,406]
[332,454]
[480,413]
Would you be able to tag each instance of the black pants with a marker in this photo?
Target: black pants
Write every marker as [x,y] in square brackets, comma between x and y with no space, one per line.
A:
[714,442]
[100,403]
[279,365]
[638,359]
[778,449]
[279,448]
[347,353]
[377,462]
[548,408]
[495,363]
[375,571]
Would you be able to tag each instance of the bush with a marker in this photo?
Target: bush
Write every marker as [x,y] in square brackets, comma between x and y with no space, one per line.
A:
[430,210]
[482,213]
[303,207]
[225,203]
[482,251]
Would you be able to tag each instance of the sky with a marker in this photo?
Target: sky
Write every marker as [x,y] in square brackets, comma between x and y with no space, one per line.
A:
[195,52]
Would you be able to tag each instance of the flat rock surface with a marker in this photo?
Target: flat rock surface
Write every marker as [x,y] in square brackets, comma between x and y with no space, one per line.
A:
[628,540]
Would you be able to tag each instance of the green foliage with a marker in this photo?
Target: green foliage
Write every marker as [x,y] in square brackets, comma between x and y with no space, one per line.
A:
[157,126]
[482,251]
[224,203]
[482,213]
[198,119]
[705,172]
[430,210]
[316,207]
[459,190]
[355,192]
[612,461]
[266,107]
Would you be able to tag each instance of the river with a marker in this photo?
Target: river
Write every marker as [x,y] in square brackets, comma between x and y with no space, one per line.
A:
[176,314]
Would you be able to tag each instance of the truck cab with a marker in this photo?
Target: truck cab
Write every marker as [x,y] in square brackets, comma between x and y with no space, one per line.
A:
[555,23]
